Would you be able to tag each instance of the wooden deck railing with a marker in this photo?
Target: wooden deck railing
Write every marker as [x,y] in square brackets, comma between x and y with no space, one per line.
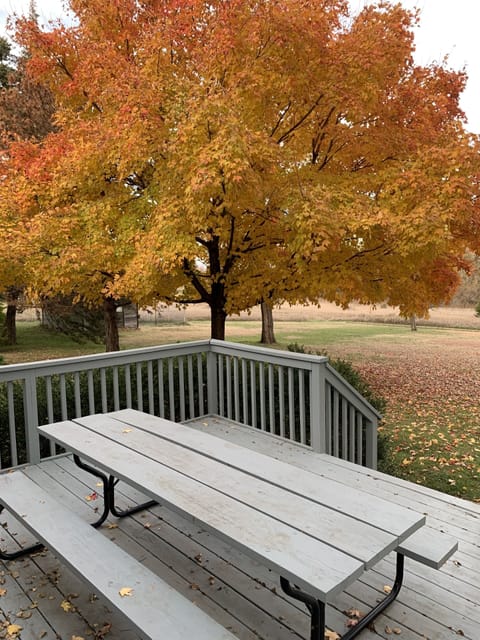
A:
[295,396]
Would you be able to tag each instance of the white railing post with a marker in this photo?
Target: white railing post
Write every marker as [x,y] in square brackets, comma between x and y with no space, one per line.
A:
[212,382]
[30,406]
[317,407]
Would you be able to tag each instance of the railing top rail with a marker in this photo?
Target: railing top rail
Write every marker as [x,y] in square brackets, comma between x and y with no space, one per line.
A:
[264,354]
[346,389]
[81,363]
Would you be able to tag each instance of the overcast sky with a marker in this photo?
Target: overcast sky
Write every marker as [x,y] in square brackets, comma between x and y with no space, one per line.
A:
[447,28]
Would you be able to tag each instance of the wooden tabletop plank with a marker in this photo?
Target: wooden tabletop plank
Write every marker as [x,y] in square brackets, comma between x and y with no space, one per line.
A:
[358,539]
[383,514]
[314,566]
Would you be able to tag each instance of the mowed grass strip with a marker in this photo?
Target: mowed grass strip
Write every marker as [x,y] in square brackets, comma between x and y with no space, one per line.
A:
[430,379]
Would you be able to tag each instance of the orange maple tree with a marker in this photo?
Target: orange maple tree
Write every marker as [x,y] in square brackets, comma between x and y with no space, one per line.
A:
[233,152]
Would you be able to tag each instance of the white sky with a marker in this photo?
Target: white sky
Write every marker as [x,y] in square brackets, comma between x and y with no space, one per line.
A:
[447,28]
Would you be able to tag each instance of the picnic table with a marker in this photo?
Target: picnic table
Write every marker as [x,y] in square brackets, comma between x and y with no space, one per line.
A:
[316,533]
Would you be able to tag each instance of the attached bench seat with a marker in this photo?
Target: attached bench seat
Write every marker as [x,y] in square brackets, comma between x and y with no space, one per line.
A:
[154,608]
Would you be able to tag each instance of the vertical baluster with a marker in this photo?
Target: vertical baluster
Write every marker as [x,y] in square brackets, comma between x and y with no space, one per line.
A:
[116,389]
[151,400]
[171,389]
[253,393]
[91,391]
[139,386]
[161,393]
[291,405]
[336,423]
[302,403]
[50,413]
[228,383]
[271,398]
[11,424]
[328,419]
[359,459]
[351,421]
[63,397]
[261,376]
[344,429]
[236,389]
[128,386]
[181,387]
[190,385]
[281,400]
[244,391]
[201,397]
[103,389]
[77,393]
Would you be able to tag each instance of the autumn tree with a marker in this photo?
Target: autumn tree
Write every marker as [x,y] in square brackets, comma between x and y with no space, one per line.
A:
[237,152]
[26,113]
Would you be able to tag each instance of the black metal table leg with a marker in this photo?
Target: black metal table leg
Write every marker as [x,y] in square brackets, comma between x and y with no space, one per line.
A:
[121,513]
[34,548]
[317,608]
[109,484]
[381,606]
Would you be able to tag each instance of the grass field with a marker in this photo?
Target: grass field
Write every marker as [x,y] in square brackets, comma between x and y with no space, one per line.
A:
[430,379]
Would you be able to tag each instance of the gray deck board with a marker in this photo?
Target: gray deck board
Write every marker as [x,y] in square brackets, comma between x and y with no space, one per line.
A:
[237,591]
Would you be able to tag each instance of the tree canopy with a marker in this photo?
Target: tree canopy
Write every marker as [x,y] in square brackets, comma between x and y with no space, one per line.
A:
[236,151]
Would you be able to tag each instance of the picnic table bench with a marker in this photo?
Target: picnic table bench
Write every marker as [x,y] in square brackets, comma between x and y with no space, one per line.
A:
[319,536]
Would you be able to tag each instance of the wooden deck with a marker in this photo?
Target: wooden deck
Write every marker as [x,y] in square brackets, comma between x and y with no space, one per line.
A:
[49,602]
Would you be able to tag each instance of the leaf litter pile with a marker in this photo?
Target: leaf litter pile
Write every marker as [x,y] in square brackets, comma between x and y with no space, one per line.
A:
[431,381]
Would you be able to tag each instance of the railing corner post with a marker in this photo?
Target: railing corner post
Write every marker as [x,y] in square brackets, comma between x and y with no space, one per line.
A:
[318,407]
[212,382]
[32,437]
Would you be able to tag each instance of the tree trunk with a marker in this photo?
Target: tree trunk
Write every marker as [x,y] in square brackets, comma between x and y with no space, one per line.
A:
[218,318]
[268,335]
[413,322]
[10,327]
[112,340]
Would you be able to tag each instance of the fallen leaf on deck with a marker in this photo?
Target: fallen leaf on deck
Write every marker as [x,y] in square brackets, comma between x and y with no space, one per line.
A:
[352,622]
[387,588]
[13,630]
[126,430]
[125,591]
[2,592]
[331,635]
[66,605]
[91,496]
[112,525]
[77,638]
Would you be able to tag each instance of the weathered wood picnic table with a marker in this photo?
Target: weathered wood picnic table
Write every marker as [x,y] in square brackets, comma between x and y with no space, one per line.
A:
[318,534]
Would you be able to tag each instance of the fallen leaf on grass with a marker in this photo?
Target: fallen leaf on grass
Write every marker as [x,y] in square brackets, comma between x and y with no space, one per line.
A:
[125,591]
